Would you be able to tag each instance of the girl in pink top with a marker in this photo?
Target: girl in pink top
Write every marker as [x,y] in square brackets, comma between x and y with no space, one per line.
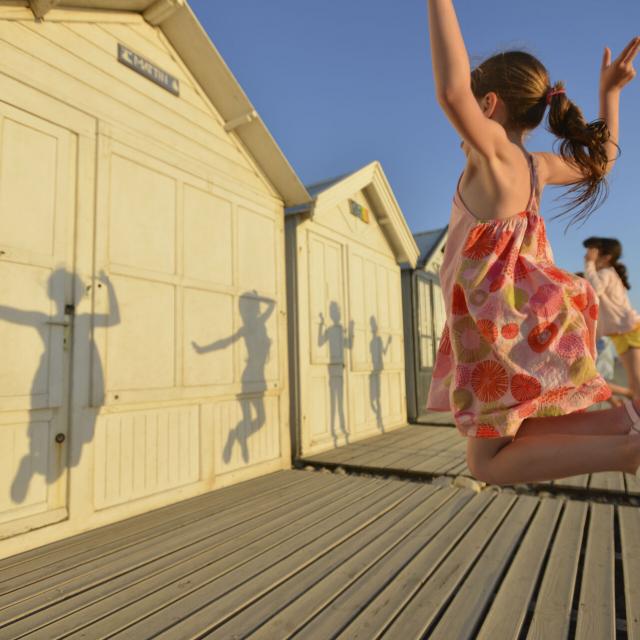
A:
[617,318]
[516,360]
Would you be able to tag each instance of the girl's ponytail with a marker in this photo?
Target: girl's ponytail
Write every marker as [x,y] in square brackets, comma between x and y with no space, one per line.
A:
[621,270]
[582,145]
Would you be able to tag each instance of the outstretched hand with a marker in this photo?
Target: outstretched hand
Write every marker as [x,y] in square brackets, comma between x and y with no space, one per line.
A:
[615,75]
[197,347]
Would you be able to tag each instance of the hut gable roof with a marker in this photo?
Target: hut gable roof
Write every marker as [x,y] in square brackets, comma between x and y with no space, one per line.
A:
[186,35]
[372,181]
[429,243]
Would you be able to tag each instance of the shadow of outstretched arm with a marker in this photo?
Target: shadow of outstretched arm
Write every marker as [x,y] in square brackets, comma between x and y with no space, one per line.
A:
[17,316]
[218,344]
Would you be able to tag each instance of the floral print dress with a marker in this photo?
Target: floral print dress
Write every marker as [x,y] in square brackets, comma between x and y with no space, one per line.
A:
[519,340]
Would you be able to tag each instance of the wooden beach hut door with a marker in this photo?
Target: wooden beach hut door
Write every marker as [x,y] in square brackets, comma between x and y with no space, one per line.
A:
[37,212]
[429,321]
[327,416]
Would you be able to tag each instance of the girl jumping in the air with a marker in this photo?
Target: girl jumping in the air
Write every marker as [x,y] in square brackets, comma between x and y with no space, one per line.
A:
[617,318]
[516,360]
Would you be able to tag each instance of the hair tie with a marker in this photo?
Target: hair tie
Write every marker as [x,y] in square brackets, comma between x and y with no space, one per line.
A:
[554,92]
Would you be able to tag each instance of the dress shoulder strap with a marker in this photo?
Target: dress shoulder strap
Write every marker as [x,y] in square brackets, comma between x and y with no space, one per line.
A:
[532,205]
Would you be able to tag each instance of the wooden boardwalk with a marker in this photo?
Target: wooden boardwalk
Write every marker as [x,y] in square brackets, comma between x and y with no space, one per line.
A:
[423,450]
[312,555]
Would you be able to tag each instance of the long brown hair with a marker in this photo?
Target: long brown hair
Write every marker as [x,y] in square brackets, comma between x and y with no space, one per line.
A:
[610,247]
[522,82]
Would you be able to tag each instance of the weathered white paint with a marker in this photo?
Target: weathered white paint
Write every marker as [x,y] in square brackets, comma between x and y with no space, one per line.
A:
[165,231]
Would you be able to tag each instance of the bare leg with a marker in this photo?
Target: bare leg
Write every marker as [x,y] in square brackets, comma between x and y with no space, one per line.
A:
[506,461]
[608,422]
[557,447]
[631,362]
[621,391]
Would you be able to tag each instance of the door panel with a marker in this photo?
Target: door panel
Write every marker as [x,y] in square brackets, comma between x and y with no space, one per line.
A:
[37,212]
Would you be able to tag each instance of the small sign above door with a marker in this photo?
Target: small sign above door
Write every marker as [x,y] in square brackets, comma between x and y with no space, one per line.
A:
[359,211]
[148,70]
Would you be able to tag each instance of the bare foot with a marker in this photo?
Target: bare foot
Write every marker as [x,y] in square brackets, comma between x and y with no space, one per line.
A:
[633,420]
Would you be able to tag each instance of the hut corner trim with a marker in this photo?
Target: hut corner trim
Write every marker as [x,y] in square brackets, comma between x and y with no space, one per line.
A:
[162,10]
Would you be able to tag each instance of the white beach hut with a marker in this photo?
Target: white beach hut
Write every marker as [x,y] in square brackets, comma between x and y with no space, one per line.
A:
[344,251]
[424,320]
[142,274]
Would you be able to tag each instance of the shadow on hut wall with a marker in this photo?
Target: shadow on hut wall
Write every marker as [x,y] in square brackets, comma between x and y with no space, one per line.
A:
[37,461]
[377,350]
[339,339]
[258,345]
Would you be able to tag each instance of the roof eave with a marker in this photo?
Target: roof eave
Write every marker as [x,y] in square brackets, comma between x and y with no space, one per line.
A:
[191,42]
[187,36]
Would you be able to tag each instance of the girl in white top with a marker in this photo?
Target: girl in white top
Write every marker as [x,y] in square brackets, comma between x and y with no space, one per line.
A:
[617,318]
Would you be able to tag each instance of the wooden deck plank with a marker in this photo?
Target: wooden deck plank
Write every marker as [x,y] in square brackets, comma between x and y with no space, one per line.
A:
[607,481]
[387,583]
[309,591]
[597,606]
[336,456]
[406,463]
[433,593]
[509,608]
[36,558]
[445,461]
[629,520]
[205,597]
[137,569]
[441,454]
[632,484]
[341,556]
[576,482]
[366,453]
[470,602]
[552,614]
[369,454]
[24,587]
[396,452]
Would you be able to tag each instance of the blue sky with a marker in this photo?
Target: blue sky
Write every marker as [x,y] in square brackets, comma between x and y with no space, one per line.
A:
[340,83]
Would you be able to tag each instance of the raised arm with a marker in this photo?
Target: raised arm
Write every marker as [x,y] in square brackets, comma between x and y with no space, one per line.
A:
[613,77]
[271,305]
[218,344]
[113,317]
[323,335]
[599,280]
[553,169]
[452,78]
[18,316]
